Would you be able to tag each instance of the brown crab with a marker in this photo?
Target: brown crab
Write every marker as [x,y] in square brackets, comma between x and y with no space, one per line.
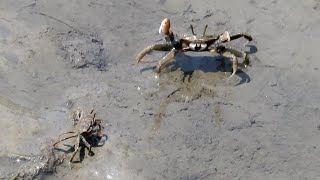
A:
[179,43]
[85,126]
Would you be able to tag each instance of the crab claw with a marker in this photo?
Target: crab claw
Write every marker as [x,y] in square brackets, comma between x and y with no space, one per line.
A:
[164,26]
[225,37]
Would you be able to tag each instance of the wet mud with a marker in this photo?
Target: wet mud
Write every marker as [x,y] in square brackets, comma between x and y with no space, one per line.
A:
[189,122]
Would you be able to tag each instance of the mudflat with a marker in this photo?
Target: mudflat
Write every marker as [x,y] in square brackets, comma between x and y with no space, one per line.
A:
[189,122]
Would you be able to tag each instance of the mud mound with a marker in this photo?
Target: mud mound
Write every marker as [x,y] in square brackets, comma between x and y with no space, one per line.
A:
[82,50]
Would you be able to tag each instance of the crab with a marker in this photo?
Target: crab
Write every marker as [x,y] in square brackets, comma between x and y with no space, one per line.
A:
[85,126]
[181,43]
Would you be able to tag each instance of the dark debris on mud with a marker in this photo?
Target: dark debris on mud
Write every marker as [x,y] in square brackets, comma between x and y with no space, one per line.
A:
[82,50]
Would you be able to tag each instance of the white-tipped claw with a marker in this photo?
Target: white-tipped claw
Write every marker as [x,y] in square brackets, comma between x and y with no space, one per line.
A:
[164,26]
[160,29]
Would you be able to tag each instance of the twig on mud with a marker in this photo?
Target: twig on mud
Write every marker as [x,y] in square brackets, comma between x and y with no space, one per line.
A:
[188,10]
[174,92]
[208,14]
[55,19]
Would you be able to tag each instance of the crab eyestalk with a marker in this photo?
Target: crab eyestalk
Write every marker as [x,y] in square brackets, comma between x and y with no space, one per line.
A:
[165,27]
[205,29]
[192,30]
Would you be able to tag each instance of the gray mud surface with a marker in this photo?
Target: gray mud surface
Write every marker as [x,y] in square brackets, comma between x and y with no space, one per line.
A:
[191,122]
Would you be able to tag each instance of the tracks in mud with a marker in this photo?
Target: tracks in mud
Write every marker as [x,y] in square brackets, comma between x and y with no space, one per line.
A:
[189,87]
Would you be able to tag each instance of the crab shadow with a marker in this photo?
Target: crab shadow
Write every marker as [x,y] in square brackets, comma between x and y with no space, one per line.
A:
[211,63]
[208,63]
[252,49]
[94,141]
[188,64]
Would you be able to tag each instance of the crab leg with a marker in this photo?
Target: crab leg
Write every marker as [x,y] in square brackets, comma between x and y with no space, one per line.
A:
[223,52]
[239,35]
[166,60]
[232,54]
[225,37]
[69,132]
[60,140]
[156,47]
[75,148]
[234,61]
[240,54]
[86,143]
